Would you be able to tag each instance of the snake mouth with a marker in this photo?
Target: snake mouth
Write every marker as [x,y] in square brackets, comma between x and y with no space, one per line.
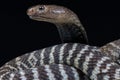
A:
[40,17]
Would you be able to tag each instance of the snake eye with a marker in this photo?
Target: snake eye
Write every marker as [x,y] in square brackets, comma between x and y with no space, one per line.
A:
[41,8]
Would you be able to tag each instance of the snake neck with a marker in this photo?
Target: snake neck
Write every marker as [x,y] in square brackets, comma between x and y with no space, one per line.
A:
[71,33]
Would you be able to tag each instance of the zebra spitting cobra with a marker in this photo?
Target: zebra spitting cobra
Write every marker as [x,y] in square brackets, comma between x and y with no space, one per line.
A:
[67,61]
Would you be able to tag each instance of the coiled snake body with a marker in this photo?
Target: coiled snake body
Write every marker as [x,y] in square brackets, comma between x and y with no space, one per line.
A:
[67,61]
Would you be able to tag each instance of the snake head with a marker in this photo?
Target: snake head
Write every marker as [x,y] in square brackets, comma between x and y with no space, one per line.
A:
[51,13]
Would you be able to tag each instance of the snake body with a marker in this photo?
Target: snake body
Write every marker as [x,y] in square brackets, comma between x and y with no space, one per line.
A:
[44,72]
[67,61]
[86,58]
[112,50]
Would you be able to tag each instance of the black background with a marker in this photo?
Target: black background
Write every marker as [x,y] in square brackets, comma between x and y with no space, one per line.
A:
[19,34]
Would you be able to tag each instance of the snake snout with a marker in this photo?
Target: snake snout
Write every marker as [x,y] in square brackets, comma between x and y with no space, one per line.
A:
[30,12]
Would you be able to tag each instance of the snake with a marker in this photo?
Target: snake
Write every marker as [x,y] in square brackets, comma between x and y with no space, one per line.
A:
[67,61]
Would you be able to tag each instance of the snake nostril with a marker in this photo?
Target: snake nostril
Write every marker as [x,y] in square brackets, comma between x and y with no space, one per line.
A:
[30,11]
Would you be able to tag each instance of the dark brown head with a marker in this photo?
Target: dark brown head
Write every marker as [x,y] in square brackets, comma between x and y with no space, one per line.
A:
[52,13]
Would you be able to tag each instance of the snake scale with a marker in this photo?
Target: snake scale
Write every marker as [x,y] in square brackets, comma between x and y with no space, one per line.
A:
[66,61]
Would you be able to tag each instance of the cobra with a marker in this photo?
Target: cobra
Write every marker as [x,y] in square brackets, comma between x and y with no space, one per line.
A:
[63,61]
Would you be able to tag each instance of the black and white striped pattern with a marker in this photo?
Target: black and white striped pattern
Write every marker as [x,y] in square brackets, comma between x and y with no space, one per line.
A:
[45,72]
[86,58]
[112,49]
